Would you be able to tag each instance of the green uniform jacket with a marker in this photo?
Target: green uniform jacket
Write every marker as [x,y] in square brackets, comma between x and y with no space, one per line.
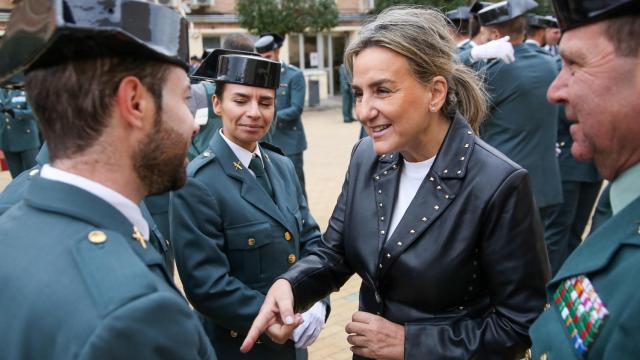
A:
[610,259]
[20,131]
[75,285]
[232,240]
[288,134]
[522,124]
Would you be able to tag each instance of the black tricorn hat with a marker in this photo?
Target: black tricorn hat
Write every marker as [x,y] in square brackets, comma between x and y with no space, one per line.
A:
[504,11]
[542,22]
[574,13]
[461,13]
[269,41]
[239,67]
[42,33]
[477,6]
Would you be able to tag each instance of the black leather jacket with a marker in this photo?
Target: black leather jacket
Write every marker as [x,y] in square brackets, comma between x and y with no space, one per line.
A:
[464,270]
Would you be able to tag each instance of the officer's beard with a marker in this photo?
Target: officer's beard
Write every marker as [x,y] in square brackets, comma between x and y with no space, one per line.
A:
[160,160]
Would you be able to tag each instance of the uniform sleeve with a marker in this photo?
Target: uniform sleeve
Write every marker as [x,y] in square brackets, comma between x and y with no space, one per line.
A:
[196,230]
[297,91]
[514,262]
[156,326]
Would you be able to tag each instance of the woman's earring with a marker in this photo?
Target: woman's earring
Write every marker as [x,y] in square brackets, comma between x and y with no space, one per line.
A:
[433,108]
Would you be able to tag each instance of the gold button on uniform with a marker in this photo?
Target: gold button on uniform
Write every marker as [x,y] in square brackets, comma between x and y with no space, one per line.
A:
[291,258]
[97,237]
[543,356]
[233,334]
[251,242]
[287,236]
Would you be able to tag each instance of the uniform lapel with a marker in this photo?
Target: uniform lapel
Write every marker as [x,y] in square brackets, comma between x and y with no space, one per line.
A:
[281,193]
[598,249]
[438,190]
[250,190]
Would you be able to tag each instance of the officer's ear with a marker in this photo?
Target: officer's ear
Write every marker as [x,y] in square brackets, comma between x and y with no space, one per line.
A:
[133,101]
[217,105]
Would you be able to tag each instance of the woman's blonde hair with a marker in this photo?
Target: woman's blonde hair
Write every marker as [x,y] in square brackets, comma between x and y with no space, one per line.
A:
[421,35]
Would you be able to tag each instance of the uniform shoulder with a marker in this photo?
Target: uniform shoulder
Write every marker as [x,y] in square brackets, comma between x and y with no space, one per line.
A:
[113,274]
[293,67]
[271,148]
[200,161]
[14,191]
[489,157]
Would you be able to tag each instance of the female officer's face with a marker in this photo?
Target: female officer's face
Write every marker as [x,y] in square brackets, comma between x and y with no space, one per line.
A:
[391,104]
[246,113]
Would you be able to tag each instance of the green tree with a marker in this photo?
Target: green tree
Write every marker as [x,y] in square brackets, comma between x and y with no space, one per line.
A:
[287,16]
[444,5]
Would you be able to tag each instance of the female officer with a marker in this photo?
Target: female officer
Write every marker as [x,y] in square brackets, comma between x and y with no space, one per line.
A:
[441,227]
[242,220]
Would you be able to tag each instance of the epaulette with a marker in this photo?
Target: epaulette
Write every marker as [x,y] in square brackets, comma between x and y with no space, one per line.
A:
[200,160]
[272,147]
[113,274]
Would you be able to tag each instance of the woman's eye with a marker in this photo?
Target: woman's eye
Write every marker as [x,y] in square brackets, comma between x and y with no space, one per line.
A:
[383,91]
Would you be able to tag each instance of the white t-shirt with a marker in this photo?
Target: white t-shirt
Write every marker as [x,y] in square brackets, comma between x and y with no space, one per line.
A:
[411,177]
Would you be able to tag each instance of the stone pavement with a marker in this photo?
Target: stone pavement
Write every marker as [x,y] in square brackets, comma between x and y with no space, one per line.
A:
[330,142]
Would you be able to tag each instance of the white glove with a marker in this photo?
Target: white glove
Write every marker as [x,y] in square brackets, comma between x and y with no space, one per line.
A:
[501,49]
[305,334]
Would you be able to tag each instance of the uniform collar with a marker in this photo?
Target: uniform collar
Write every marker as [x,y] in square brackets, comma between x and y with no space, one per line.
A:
[241,153]
[127,207]
[533,42]
[625,189]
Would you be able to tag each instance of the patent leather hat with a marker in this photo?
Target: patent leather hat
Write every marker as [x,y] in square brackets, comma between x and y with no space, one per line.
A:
[543,22]
[574,13]
[269,41]
[43,33]
[504,11]
[477,6]
[239,67]
[461,13]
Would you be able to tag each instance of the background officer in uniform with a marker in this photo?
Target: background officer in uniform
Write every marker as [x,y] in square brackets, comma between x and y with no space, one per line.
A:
[242,219]
[522,124]
[347,94]
[460,27]
[594,308]
[79,278]
[20,139]
[288,132]
[536,29]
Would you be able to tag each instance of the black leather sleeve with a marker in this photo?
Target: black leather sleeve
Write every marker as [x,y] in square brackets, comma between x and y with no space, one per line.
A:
[514,262]
[326,269]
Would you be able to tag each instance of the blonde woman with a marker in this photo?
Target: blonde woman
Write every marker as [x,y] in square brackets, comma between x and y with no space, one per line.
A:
[441,227]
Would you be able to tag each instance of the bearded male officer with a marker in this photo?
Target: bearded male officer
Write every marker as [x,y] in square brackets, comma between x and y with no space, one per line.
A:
[287,130]
[79,278]
[594,308]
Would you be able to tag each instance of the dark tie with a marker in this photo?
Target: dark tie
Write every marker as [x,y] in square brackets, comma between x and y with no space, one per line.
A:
[258,169]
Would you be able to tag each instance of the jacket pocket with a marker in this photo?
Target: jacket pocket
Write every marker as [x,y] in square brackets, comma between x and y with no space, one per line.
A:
[244,243]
